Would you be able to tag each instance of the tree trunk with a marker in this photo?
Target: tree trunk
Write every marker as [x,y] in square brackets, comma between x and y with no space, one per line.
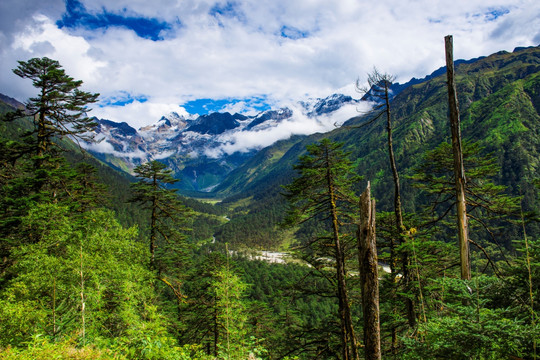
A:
[83,303]
[459,171]
[347,328]
[216,328]
[42,139]
[395,175]
[153,224]
[369,277]
[411,315]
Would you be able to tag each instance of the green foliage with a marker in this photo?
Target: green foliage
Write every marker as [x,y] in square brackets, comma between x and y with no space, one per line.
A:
[477,330]
[420,124]
[217,312]
[60,107]
[19,319]
[168,217]
[48,278]
[41,348]
[323,192]
[255,228]
[299,306]
[489,207]
[232,317]
[309,194]
[76,284]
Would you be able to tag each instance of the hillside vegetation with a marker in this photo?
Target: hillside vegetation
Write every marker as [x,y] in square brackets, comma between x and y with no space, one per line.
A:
[499,103]
[96,264]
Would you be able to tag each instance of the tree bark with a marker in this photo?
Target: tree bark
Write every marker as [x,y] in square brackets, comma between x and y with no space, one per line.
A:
[369,276]
[153,221]
[347,327]
[411,315]
[459,170]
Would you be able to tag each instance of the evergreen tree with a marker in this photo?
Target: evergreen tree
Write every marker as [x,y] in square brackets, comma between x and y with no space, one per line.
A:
[323,192]
[231,314]
[168,223]
[199,313]
[60,108]
[489,208]
[33,172]
[44,295]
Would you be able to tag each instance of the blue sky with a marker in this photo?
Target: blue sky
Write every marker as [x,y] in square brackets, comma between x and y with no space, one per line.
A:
[148,58]
[249,105]
[76,15]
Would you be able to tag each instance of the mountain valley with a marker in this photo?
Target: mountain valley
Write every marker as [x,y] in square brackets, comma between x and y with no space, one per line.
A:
[88,235]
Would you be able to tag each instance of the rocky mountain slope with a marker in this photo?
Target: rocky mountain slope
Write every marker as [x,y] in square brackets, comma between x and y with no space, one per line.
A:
[499,97]
[499,106]
[202,150]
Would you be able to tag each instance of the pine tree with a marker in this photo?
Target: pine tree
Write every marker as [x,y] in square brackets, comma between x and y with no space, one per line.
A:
[60,109]
[33,172]
[231,313]
[168,221]
[323,192]
[488,206]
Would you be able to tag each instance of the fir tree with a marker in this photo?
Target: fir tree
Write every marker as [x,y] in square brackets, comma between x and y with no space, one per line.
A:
[60,108]
[323,192]
[168,224]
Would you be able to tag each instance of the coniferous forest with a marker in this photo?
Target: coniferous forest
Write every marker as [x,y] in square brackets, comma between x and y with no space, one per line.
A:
[96,263]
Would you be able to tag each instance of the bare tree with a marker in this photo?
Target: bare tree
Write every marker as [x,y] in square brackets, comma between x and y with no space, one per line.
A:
[378,90]
[459,170]
[369,276]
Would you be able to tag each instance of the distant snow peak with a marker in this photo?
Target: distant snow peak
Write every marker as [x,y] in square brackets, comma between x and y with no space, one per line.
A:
[221,134]
[169,122]
[202,150]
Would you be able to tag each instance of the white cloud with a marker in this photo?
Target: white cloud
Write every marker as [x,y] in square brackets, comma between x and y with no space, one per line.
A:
[299,124]
[45,39]
[106,148]
[137,114]
[241,53]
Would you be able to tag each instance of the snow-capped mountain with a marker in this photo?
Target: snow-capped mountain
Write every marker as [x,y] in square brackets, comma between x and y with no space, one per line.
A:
[203,149]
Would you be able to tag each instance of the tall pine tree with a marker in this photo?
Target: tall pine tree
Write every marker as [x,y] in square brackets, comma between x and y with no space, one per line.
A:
[323,192]
[168,223]
[60,108]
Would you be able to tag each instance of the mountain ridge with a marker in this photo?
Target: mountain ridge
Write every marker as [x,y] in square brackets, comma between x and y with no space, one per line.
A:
[499,97]
[209,160]
[202,150]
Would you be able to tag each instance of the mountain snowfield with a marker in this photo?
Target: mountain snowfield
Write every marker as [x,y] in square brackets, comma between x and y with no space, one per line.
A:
[212,145]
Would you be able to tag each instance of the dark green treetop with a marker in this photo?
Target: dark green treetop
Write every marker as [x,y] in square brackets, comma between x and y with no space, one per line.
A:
[60,108]
[168,216]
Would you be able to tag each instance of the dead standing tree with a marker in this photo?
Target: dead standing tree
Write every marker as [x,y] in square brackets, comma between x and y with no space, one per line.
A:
[379,90]
[459,170]
[369,276]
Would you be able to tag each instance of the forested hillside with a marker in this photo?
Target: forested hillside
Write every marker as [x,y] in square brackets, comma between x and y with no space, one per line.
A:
[499,102]
[96,264]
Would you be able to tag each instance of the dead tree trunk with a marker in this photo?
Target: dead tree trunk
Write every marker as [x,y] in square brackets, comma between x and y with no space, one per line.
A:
[369,277]
[459,170]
